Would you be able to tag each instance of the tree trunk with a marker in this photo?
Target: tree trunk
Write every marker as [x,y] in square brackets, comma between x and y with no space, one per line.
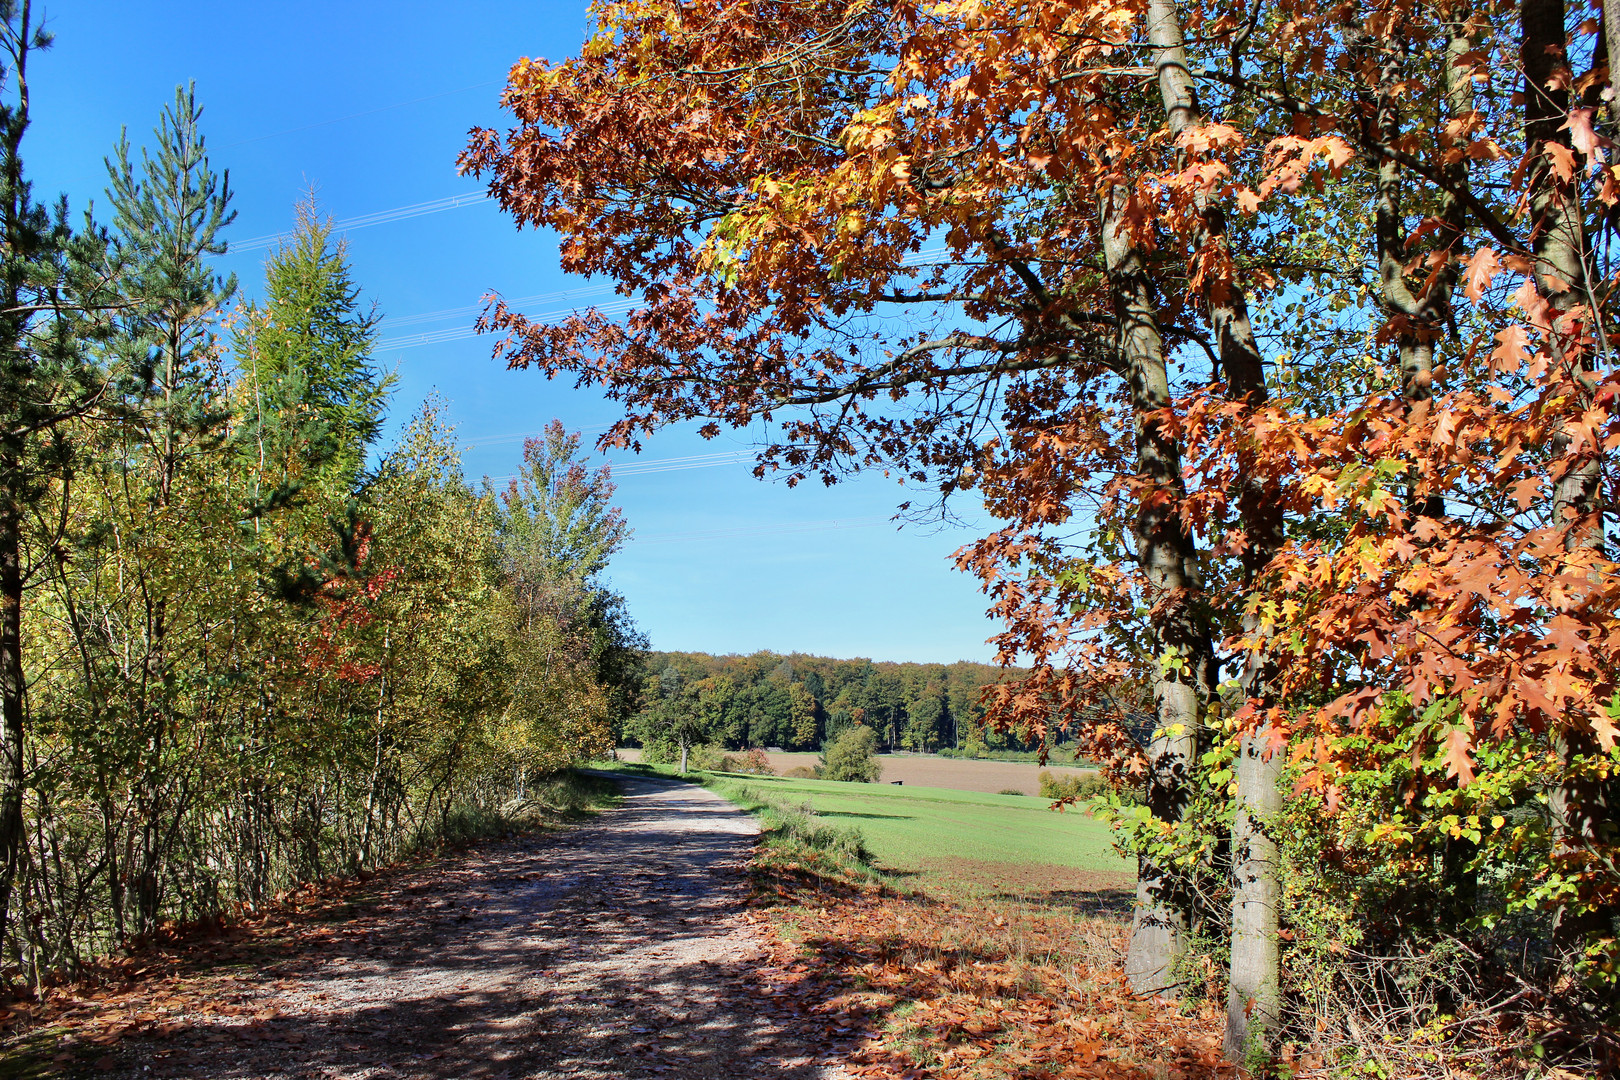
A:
[11,688]
[1169,561]
[1582,810]
[1254,996]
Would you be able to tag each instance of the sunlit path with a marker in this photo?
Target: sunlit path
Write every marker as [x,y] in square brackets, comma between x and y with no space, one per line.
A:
[616,949]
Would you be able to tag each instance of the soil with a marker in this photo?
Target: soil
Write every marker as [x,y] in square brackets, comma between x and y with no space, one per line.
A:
[1082,892]
[618,948]
[923,770]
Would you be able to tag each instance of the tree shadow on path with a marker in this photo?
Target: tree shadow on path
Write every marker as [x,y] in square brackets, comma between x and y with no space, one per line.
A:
[615,949]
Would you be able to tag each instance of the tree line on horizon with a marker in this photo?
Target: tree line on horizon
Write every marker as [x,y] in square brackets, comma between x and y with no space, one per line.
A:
[1274,339]
[245,643]
[800,702]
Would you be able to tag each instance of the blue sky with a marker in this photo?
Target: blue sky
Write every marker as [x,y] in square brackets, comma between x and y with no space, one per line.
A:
[370,103]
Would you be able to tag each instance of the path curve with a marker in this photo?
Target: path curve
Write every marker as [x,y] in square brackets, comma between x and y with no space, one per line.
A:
[617,948]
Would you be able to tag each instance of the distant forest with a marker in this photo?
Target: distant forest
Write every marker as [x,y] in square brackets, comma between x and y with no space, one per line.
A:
[797,702]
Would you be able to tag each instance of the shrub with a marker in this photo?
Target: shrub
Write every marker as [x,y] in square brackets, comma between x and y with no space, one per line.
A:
[753,762]
[1087,785]
[803,772]
[1059,787]
[1009,791]
[705,757]
[853,756]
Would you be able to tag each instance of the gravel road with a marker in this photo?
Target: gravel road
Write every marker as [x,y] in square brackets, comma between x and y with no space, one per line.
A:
[617,948]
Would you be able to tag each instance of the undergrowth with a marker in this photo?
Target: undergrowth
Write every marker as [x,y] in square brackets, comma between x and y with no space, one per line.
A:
[549,803]
[35,1026]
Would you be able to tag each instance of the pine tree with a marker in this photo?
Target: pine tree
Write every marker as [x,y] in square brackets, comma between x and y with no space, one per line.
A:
[168,212]
[167,217]
[46,379]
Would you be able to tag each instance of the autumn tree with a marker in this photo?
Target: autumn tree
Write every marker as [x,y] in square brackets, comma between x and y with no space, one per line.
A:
[558,529]
[875,314]
[1035,252]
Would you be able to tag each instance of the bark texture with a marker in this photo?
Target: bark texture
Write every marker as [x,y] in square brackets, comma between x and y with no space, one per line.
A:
[1254,1002]
[1169,561]
[1582,809]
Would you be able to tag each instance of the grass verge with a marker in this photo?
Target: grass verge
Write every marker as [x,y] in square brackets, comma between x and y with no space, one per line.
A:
[796,841]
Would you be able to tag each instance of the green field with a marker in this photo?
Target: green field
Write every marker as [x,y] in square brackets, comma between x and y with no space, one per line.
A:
[963,841]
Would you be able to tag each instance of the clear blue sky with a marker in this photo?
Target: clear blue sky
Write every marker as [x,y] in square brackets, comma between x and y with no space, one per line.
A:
[370,103]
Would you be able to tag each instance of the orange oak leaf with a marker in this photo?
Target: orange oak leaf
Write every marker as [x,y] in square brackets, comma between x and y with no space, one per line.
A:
[1458,763]
[1482,266]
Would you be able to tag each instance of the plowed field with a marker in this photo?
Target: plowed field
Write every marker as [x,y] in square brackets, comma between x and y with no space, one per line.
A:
[927,771]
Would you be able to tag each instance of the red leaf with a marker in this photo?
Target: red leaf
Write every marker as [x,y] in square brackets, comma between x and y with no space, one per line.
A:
[1512,346]
[1458,763]
[1482,267]
[1563,161]
[1586,140]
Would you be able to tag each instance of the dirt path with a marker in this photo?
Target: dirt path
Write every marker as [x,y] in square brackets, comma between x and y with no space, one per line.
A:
[618,948]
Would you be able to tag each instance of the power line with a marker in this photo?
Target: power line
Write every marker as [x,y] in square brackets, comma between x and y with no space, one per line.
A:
[643,467]
[381,217]
[461,333]
[474,309]
[458,333]
[695,461]
[489,440]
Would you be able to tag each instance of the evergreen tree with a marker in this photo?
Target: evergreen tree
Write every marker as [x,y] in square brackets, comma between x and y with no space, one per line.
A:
[315,399]
[167,217]
[48,298]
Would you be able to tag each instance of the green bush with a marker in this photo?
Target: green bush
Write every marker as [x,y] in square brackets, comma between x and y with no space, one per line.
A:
[1087,785]
[705,757]
[853,757]
[803,772]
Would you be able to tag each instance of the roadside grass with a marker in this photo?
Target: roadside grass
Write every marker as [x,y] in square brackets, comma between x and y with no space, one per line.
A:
[962,844]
